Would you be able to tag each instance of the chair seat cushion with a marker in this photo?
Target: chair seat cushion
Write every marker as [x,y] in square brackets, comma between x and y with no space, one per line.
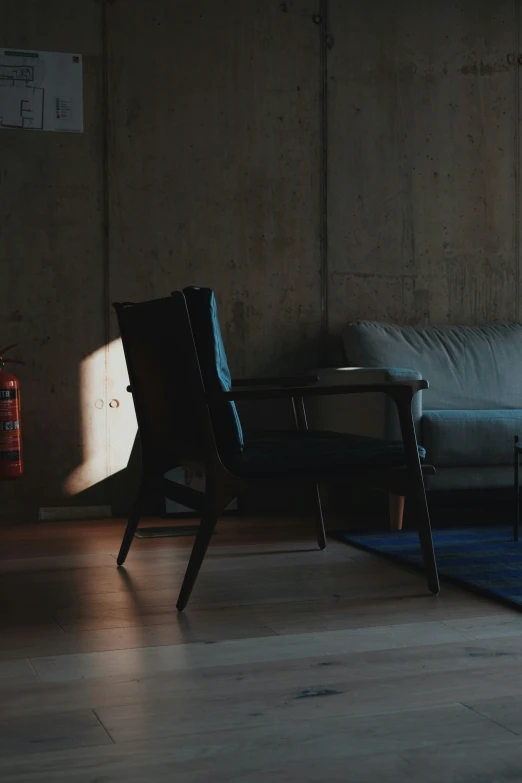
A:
[470,437]
[288,452]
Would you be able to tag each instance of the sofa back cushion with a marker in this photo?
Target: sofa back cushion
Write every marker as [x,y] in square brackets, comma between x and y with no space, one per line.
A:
[468,367]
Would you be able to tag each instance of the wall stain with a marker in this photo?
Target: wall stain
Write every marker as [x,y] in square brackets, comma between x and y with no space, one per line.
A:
[133,114]
[484,69]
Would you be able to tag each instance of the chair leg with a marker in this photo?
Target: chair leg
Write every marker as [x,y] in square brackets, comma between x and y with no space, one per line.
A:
[319,520]
[517,493]
[301,422]
[417,490]
[132,526]
[396,505]
[206,529]
[425,537]
[220,491]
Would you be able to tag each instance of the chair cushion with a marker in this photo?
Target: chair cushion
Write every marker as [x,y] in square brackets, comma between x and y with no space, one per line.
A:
[472,437]
[202,308]
[314,451]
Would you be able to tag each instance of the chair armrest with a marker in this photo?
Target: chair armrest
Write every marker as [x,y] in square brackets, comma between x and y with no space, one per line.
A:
[373,415]
[297,380]
[395,390]
[345,375]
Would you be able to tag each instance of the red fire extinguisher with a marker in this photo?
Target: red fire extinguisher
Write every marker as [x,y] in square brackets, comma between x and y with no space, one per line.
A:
[11,458]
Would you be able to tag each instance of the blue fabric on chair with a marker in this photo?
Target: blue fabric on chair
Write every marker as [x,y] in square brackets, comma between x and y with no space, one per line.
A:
[202,307]
[315,451]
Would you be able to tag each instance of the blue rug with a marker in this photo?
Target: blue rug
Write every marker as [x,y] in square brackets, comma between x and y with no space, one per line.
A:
[485,560]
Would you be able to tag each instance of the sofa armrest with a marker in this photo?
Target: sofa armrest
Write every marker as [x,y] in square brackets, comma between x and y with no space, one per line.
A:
[373,414]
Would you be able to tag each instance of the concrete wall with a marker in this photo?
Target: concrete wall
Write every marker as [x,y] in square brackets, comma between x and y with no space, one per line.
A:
[214,166]
[51,258]
[422,156]
[213,176]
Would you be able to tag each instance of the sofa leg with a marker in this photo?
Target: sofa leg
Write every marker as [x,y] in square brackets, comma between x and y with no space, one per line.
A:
[396,504]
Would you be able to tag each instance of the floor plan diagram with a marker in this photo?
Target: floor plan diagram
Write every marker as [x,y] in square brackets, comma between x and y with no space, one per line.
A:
[21,103]
[41,91]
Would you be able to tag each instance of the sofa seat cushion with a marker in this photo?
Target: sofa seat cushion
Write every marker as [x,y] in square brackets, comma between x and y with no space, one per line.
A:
[470,437]
[314,451]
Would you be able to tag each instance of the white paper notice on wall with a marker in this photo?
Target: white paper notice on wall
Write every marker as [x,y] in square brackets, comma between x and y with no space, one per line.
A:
[41,91]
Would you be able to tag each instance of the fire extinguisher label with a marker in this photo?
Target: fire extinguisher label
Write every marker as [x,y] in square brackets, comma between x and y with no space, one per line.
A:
[8,426]
[10,456]
[8,394]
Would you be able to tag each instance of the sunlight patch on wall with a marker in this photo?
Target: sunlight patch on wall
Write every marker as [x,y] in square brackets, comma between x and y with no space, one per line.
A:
[108,419]
[121,419]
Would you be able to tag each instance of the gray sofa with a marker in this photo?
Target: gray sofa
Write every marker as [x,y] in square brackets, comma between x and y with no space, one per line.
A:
[466,420]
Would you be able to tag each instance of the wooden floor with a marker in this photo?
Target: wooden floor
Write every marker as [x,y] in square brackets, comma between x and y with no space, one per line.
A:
[290,664]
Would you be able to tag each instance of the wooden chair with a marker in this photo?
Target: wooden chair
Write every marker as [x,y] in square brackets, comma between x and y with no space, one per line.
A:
[184,401]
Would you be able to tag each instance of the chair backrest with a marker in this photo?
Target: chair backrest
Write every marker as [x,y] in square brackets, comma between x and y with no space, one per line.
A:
[175,354]
[166,381]
[202,308]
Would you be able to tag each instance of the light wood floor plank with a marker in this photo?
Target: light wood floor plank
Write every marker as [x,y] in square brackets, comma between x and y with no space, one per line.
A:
[249,749]
[45,732]
[19,670]
[148,660]
[488,627]
[506,710]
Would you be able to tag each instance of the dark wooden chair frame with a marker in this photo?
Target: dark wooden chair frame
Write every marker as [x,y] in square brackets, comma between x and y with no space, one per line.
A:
[222,485]
[516,456]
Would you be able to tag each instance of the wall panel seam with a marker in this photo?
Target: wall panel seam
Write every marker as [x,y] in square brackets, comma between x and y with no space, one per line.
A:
[517,143]
[324,182]
[106,218]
